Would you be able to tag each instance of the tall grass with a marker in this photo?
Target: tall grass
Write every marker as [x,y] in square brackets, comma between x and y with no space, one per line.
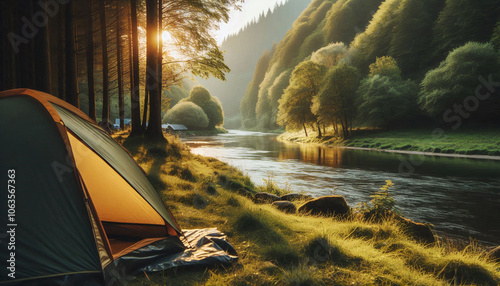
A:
[282,249]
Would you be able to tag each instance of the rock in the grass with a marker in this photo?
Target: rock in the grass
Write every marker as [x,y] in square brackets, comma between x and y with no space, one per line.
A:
[295,197]
[495,254]
[245,193]
[285,206]
[328,205]
[420,231]
[263,198]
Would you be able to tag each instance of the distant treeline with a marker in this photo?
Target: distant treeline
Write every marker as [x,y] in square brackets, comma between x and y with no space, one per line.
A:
[242,50]
[392,63]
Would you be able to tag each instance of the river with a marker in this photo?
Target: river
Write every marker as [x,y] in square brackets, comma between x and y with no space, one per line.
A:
[460,197]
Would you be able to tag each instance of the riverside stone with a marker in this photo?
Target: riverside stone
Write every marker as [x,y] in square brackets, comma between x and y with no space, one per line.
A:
[327,205]
[285,206]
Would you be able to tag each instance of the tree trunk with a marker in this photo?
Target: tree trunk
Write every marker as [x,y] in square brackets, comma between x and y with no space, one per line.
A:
[11,65]
[319,129]
[60,58]
[42,56]
[90,61]
[131,56]
[105,68]
[26,60]
[145,106]
[71,77]
[121,104]
[160,49]
[134,97]
[154,127]
[305,130]
[3,54]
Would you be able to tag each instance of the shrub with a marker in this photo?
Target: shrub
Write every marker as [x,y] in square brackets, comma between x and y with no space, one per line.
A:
[387,101]
[381,205]
[457,78]
[187,113]
[211,105]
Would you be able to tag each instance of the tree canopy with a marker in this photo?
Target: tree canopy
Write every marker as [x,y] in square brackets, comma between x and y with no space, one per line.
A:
[295,105]
[210,105]
[458,77]
[336,100]
[188,114]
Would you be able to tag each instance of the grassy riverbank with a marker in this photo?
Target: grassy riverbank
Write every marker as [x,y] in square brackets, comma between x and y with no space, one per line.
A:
[281,249]
[466,142]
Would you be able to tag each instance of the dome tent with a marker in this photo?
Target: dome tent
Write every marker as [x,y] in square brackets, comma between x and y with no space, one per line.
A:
[83,210]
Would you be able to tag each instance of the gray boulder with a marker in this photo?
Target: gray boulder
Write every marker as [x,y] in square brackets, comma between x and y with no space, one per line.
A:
[295,197]
[265,198]
[328,205]
[285,206]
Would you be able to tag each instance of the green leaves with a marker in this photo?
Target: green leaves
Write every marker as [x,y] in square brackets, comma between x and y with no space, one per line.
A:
[209,104]
[294,110]
[457,77]
[382,203]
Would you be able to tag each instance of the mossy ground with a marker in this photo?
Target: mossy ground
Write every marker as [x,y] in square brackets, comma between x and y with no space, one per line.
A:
[485,141]
[281,249]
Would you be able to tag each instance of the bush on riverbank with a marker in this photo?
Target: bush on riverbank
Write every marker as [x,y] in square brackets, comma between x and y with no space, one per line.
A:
[281,249]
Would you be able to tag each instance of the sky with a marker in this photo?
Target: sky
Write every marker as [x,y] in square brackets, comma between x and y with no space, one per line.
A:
[249,10]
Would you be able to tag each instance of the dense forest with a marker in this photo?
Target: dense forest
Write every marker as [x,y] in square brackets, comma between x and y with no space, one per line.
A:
[383,64]
[112,59]
[242,51]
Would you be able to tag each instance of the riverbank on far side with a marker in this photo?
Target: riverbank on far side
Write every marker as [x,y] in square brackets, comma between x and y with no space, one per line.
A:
[481,144]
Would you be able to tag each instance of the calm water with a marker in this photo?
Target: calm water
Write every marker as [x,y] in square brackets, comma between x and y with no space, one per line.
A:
[461,197]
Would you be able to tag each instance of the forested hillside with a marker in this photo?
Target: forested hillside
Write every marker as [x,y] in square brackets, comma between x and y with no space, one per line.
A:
[381,64]
[243,49]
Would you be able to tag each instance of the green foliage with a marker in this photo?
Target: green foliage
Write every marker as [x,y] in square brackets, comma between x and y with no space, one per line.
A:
[330,55]
[312,43]
[295,105]
[495,38]
[457,77]
[387,101]
[213,109]
[188,114]
[385,66]
[373,42]
[462,21]
[210,105]
[382,203]
[410,44]
[276,91]
[249,101]
[199,95]
[346,18]
[336,100]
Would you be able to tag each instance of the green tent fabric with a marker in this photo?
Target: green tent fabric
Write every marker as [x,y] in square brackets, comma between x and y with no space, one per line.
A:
[50,214]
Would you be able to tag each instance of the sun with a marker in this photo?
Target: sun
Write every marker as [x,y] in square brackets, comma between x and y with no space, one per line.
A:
[166,37]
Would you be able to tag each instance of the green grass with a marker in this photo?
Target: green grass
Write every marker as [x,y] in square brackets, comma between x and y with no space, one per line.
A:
[485,141]
[282,249]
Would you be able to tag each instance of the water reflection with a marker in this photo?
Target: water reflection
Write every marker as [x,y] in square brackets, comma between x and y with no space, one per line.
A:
[458,196]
